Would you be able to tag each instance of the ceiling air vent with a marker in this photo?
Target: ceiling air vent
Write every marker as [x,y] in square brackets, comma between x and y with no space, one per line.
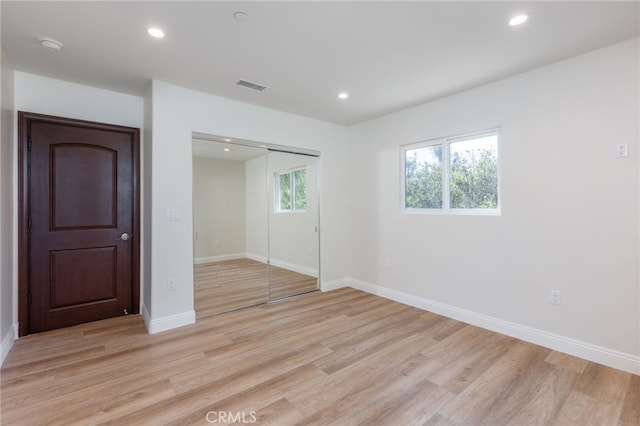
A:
[251,85]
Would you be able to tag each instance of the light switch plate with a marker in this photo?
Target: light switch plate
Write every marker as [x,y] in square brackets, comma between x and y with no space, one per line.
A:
[173,215]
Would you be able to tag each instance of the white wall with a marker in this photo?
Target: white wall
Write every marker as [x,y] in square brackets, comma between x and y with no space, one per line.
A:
[7,331]
[257,211]
[44,95]
[177,112]
[569,208]
[218,208]
[293,241]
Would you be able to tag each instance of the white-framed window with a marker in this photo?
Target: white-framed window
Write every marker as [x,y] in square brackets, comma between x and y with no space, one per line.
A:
[291,190]
[456,175]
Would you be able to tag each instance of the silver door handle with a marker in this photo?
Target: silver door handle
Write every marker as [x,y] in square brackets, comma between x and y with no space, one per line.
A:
[123,237]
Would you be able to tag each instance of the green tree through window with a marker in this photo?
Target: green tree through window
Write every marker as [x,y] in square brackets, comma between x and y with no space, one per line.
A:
[285,191]
[300,189]
[469,180]
[474,174]
[424,178]
[292,190]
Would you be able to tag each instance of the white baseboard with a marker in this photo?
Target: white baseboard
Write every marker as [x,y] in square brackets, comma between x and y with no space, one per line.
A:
[7,343]
[295,268]
[256,257]
[231,256]
[170,322]
[146,316]
[598,354]
[335,284]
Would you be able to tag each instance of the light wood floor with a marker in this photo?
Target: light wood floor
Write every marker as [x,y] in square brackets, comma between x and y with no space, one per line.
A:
[342,358]
[283,283]
[233,284]
[228,285]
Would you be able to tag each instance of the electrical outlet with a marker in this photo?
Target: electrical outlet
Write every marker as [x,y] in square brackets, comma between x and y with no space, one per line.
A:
[171,284]
[554,297]
[622,150]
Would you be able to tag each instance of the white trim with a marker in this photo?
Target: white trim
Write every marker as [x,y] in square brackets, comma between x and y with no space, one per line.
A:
[601,355]
[295,268]
[146,316]
[334,284]
[169,322]
[7,343]
[232,256]
[257,257]
[256,144]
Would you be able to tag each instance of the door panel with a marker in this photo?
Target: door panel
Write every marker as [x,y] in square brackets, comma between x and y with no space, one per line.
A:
[71,268]
[84,180]
[81,197]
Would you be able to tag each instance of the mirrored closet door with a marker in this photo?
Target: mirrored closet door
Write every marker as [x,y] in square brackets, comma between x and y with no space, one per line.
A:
[255,218]
[293,224]
[230,227]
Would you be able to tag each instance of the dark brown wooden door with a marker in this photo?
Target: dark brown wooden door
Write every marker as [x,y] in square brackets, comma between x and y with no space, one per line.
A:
[81,221]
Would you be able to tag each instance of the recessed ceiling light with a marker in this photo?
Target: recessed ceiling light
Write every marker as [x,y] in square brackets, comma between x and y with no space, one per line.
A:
[226,140]
[518,20]
[343,95]
[50,44]
[227,150]
[155,32]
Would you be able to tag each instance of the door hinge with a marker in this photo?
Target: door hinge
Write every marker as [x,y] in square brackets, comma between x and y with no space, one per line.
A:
[29,143]
[29,299]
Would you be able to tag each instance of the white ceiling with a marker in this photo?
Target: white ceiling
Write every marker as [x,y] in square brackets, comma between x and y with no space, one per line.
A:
[387,55]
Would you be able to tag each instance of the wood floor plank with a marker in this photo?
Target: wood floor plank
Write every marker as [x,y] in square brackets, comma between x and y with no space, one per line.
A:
[362,401]
[316,398]
[581,409]
[567,361]
[630,414]
[383,319]
[259,397]
[537,400]
[603,383]
[598,396]
[198,398]
[413,404]
[346,356]
[279,413]
[338,358]
[476,402]
[445,328]
[457,374]
[457,343]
